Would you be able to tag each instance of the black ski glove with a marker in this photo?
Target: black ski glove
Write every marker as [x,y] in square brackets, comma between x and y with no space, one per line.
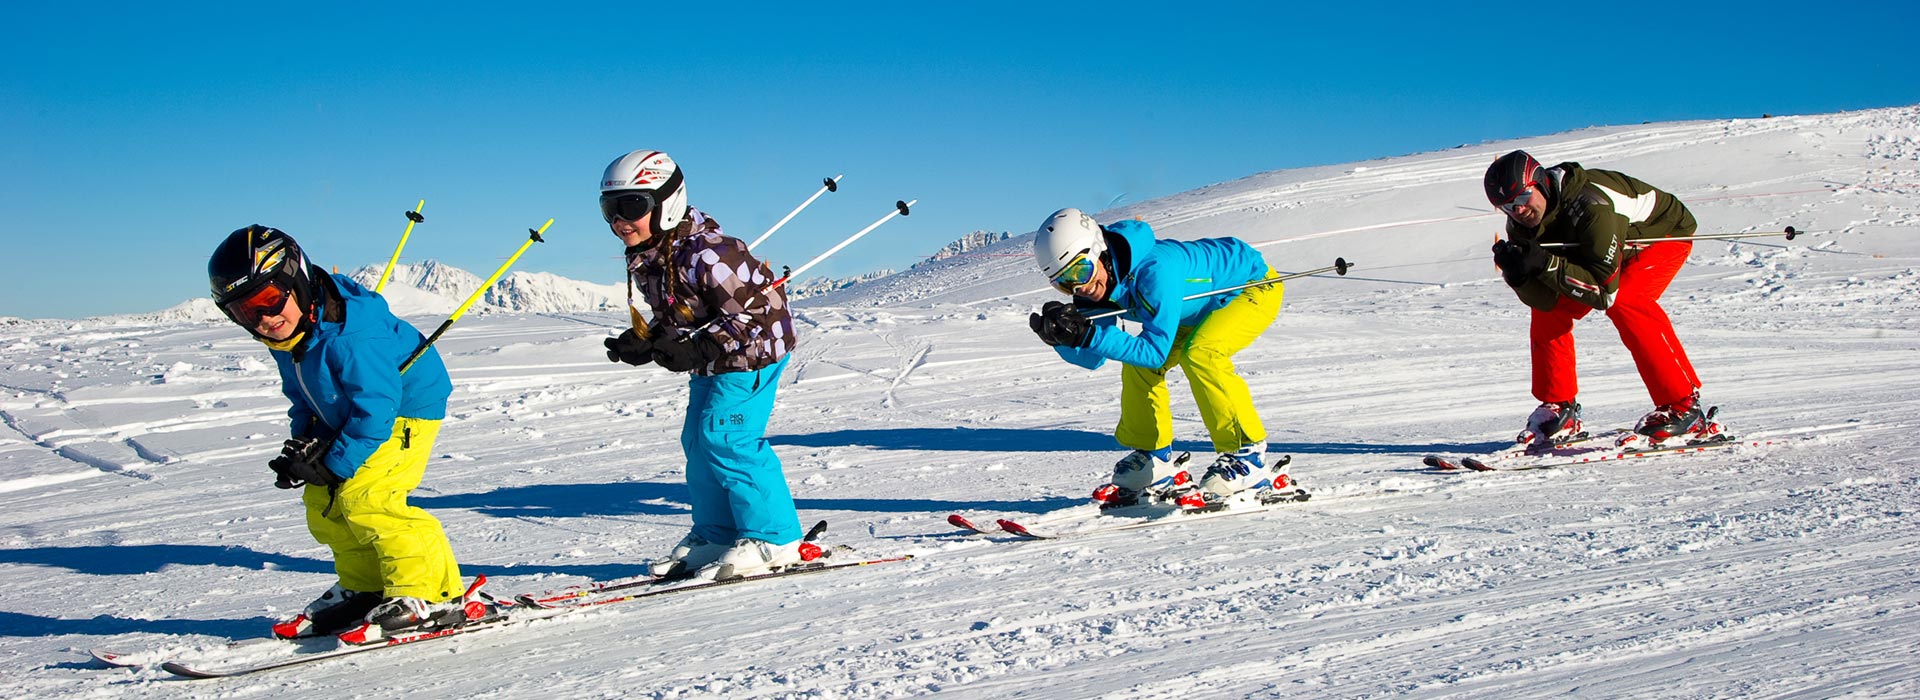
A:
[302,461]
[1520,259]
[630,348]
[687,353]
[1059,324]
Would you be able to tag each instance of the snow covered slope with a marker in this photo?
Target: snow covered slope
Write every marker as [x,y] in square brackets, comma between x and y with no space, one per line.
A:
[136,511]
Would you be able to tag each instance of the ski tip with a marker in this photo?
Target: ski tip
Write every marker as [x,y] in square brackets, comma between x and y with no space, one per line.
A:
[814,533]
[110,659]
[1475,464]
[961,521]
[1438,462]
[1017,528]
[183,671]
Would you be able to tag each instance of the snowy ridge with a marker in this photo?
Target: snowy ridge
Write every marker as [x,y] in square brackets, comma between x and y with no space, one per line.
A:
[136,512]
[434,287]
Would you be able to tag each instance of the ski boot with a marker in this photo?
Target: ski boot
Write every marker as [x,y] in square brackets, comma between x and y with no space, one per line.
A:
[335,610]
[1551,424]
[403,615]
[751,557]
[1143,476]
[691,554]
[1233,472]
[1242,475]
[1680,423]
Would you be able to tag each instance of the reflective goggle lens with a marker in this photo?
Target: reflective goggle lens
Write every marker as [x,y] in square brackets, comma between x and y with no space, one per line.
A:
[1076,273]
[266,301]
[1517,199]
[626,207]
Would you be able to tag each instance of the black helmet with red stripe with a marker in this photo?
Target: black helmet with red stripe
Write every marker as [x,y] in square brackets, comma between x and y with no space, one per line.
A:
[1511,174]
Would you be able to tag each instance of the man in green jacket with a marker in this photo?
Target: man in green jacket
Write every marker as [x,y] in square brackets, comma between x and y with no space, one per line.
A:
[1577,240]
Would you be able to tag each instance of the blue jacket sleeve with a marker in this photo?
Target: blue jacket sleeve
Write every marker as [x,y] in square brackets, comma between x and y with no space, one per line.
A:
[371,385]
[1155,300]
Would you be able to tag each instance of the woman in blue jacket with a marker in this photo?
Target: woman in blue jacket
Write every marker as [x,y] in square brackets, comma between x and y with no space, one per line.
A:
[1121,266]
[362,432]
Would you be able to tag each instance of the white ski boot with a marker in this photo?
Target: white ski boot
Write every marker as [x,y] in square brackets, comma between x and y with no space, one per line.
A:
[1143,474]
[1233,472]
[692,553]
[751,557]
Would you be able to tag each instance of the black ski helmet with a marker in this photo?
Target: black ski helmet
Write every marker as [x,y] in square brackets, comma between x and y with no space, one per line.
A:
[254,256]
[1510,174]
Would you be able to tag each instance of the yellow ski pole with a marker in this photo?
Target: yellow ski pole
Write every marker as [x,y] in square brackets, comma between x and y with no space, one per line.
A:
[533,236]
[413,217]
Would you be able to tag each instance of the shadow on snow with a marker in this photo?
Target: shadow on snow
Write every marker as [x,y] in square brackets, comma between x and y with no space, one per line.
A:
[661,498]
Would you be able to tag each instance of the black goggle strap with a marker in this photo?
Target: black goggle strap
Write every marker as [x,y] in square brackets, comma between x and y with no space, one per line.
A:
[655,197]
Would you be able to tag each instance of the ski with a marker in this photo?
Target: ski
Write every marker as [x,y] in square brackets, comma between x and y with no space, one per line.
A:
[1118,519]
[961,522]
[501,613]
[559,597]
[117,659]
[1627,455]
[188,670]
[690,585]
[1574,444]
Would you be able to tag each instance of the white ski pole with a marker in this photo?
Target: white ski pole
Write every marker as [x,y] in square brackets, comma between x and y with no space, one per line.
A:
[1790,233]
[1339,266]
[900,208]
[831,184]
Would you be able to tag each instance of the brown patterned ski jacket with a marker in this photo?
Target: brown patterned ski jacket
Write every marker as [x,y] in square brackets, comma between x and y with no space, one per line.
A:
[701,280]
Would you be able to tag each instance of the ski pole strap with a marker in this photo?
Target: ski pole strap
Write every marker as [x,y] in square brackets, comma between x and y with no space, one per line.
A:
[1339,266]
[533,236]
[413,217]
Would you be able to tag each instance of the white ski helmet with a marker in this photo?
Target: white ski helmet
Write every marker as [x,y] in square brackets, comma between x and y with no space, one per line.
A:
[651,173]
[1066,235]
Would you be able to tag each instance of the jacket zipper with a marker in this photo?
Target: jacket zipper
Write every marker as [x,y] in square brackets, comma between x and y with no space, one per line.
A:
[318,412]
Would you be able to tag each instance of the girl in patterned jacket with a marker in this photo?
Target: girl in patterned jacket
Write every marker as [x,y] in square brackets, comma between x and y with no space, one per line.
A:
[715,318]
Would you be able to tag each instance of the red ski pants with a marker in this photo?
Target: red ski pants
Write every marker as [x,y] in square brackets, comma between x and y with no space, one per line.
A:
[1643,325]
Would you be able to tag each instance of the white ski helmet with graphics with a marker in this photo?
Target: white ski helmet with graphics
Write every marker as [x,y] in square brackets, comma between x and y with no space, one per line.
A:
[1064,236]
[651,173]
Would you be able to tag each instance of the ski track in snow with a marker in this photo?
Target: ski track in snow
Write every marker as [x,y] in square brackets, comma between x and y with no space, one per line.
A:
[1780,571]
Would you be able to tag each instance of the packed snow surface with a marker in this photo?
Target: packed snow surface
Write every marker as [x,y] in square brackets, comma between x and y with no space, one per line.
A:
[136,512]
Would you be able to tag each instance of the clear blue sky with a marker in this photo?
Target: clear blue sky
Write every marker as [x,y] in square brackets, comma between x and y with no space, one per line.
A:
[134,136]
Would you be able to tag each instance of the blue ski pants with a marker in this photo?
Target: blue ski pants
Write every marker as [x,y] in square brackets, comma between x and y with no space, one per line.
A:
[734,478]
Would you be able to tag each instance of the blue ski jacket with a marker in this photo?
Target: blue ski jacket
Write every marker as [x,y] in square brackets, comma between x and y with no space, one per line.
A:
[1150,277]
[348,378]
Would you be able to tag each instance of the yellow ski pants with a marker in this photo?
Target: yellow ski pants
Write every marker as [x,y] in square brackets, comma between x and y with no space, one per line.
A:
[1205,353]
[380,544]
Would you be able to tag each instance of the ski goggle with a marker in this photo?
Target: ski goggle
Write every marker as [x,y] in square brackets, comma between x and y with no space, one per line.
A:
[1517,199]
[626,206]
[1076,273]
[266,301]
